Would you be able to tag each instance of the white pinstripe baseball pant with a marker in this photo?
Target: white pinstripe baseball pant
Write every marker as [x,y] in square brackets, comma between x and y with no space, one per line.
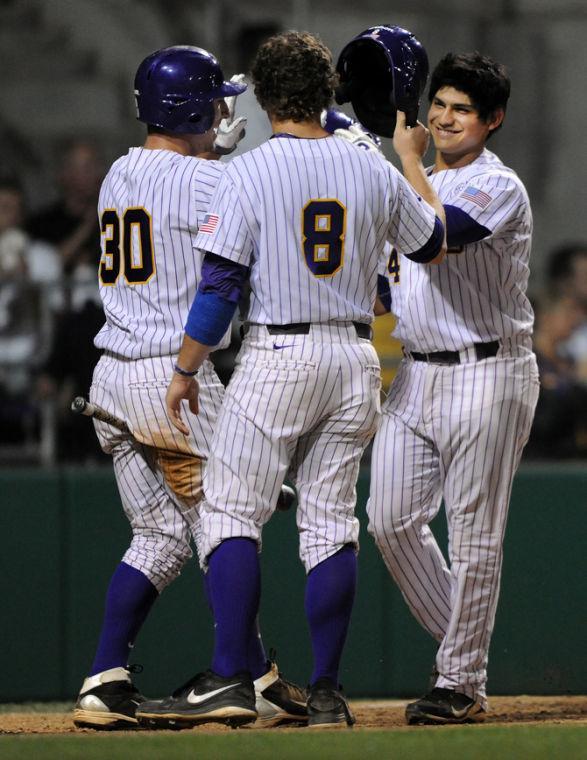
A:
[158,470]
[454,433]
[303,404]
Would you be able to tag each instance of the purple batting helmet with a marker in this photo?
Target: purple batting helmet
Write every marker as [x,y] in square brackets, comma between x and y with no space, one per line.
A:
[381,70]
[175,89]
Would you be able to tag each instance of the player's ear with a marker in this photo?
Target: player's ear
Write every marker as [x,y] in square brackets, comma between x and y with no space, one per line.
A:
[495,119]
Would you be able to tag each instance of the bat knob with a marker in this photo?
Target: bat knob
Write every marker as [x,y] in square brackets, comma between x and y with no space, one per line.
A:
[78,404]
[286,498]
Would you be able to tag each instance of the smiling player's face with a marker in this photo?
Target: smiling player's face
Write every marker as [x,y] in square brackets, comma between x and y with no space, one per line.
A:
[455,125]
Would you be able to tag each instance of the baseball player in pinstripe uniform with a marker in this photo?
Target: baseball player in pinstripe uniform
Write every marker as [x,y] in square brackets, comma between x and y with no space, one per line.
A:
[460,409]
[151,204]
[305,218]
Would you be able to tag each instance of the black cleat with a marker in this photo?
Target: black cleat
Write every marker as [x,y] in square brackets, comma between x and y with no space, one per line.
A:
[444,706]
[108,701]
[327,707]
[279,701]
[205,698]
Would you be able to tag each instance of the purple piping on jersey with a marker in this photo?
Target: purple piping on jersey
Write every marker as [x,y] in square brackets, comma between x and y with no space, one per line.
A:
[461,229]
[432,247]
[223,277]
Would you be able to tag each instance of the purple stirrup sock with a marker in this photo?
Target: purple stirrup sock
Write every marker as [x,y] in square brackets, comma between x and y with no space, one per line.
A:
[256,657]
[330,593]
[235,587]
[129,599]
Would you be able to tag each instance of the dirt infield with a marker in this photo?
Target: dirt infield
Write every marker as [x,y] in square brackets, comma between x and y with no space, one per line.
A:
[370,714]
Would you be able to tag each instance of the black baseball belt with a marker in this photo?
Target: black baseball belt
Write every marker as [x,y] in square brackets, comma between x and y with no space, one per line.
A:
[482,351]
[303,328]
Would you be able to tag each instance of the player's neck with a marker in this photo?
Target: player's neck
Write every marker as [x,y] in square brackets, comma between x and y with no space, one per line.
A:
[186,145]
[444,161]
[307,129]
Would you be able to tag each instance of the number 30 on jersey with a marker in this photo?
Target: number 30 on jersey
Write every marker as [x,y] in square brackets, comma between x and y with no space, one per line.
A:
[127,246]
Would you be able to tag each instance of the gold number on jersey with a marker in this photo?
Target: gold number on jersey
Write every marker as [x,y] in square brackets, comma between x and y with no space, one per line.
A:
[138,253]
[110,264]
[323,232]
[393,266]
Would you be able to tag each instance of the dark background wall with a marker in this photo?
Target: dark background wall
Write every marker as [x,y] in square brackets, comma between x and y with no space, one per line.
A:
[65,532]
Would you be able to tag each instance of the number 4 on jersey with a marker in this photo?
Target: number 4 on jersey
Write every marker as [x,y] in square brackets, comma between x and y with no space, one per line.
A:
[135,256]
[393,265]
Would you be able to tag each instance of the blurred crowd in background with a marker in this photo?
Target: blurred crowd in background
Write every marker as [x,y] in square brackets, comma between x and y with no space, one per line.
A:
[50,311]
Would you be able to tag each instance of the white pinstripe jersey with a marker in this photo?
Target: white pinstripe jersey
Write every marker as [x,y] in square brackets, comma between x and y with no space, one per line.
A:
[311,218]
[477,294]
[151,204]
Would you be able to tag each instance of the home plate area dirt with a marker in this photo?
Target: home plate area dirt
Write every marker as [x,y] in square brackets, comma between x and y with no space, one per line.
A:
[370,714]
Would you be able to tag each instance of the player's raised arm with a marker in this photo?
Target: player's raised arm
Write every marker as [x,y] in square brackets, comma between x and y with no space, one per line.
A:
[382,72]
[410,144]
[231,129]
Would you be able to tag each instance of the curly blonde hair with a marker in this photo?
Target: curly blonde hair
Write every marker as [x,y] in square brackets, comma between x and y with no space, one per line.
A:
[294,76]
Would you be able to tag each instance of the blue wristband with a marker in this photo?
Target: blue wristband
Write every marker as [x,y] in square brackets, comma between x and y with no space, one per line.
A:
[184,372]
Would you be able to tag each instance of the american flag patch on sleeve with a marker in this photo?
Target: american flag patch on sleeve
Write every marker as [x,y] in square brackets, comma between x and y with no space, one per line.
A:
[209,224]
[476,196]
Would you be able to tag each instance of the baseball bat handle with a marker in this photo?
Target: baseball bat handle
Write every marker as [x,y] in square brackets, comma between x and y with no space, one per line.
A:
[80,405]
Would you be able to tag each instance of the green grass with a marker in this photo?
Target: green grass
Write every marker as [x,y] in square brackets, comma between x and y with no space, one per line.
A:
[515,742]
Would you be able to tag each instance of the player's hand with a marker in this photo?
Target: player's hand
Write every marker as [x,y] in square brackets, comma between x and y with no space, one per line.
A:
[231,100]
[230,131]
[181,388]
[228,135]
[409,142]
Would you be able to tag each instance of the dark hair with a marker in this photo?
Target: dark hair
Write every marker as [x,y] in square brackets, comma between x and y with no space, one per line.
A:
[294,76]
[153,130]
[484,80]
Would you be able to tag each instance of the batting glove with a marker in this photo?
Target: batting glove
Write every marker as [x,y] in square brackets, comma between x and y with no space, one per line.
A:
[356,135]
[230,130]
[339,124]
